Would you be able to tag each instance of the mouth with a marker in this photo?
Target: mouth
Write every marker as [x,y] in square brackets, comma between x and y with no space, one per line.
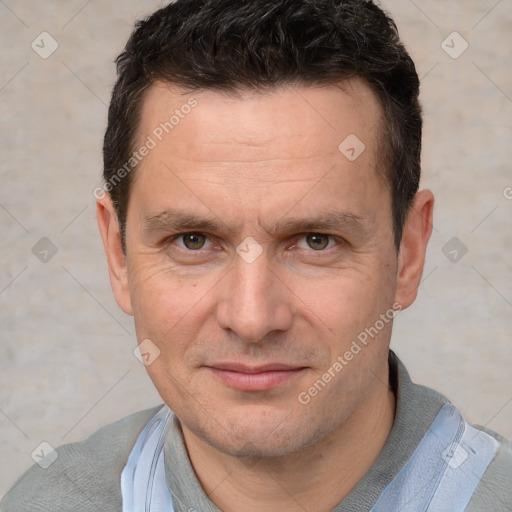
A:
[254,378]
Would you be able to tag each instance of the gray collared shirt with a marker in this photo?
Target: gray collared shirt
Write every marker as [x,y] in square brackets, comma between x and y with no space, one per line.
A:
[86,475]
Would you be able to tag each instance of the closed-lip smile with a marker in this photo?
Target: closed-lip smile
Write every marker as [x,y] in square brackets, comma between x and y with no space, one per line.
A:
[254,378]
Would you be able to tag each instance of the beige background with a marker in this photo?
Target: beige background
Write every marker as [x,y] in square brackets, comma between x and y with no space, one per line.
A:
[66,362]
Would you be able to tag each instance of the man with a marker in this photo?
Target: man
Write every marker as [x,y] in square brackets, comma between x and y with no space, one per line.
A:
[262,223]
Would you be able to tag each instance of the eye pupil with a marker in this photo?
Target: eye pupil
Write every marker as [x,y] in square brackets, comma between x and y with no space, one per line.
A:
[317,241]
[193,241]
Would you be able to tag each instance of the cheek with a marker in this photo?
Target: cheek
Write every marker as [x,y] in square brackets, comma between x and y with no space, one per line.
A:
[170,317]
[161,300]
[351,298]
[358,339]
[352,313]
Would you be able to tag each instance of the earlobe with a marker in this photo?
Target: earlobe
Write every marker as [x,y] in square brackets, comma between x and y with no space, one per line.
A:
[416,234]
[108,224]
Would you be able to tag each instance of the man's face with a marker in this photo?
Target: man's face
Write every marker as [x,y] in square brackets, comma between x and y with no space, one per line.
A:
[257,252]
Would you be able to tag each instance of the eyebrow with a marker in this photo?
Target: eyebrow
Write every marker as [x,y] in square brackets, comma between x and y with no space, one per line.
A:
[331,221]
[175,220]
[168,220]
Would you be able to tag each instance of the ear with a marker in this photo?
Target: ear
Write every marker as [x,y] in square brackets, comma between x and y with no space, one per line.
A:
[116,258]
[415,236]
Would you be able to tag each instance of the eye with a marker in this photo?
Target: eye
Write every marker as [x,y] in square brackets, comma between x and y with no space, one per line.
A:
[192,241]
[315,241]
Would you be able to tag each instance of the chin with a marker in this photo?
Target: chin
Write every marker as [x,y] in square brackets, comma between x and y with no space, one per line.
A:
[263,435]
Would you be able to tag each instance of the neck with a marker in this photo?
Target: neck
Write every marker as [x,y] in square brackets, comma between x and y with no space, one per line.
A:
[317,478]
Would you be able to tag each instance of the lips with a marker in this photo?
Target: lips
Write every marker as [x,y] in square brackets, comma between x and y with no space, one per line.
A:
[254,378]
[241,368]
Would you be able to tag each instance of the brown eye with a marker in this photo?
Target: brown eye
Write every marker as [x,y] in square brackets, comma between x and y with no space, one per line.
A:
[317,241]
[194,241]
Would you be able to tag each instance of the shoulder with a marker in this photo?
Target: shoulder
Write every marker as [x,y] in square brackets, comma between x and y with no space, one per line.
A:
[495,487]
[486,458]
[85,476]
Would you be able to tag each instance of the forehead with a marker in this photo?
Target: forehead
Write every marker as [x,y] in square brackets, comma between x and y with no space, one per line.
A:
[287,123]
[250,158]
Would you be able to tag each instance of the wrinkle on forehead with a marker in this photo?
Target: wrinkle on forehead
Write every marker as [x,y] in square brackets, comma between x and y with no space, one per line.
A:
[257,126]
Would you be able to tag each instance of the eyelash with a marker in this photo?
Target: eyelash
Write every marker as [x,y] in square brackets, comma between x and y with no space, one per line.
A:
[173,238]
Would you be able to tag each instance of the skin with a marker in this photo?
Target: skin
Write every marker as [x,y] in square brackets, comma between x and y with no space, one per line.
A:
[251,162]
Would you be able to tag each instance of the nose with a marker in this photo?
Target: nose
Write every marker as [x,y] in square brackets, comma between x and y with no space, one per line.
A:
[254,301]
